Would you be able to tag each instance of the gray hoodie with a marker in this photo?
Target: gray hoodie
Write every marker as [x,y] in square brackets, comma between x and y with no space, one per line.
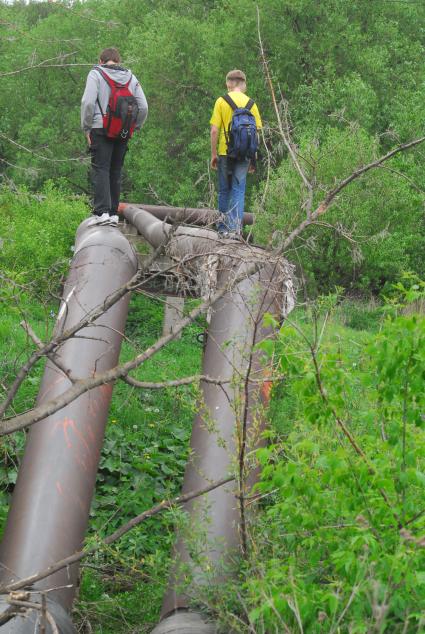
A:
[98,89]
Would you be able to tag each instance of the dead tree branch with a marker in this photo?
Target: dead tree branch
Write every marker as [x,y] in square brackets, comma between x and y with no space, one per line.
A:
[40,156]
[332,194]
[43,64]
[284,129]
[84,385]
[187,380]
[54,358]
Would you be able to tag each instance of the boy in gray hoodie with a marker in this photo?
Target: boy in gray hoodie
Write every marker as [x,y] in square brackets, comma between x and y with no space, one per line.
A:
[107,155]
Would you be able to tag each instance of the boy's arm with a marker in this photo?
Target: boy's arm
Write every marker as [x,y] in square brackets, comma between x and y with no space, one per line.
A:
[88,102]
[215,121]
[143,105]
[214,139]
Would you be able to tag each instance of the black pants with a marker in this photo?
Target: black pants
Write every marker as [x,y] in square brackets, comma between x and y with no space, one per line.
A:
[107,159]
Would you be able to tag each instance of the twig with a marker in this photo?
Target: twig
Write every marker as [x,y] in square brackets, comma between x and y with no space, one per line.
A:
[54,358]
[284,133]
[40,156]
[187,380]
[43,64]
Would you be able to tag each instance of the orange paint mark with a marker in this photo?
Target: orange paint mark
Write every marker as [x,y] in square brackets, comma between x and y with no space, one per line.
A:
[121,207]
[266,389]
[59,488]
[68,424]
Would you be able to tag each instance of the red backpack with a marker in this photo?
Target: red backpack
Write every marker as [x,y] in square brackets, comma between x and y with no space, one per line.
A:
[119,120]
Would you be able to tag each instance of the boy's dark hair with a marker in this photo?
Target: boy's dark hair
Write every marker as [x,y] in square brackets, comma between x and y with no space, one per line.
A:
[110,55]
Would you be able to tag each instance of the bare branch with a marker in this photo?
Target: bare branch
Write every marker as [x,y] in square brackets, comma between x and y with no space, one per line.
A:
[40,156]
[409,180]
[54,358]
[330,197]
[81,386]
[20,605]
[52,345]
[284,132]
[187,380]
[38,66]
[43,64]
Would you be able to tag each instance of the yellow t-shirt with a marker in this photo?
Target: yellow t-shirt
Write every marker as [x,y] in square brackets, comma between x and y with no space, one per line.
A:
[222,116]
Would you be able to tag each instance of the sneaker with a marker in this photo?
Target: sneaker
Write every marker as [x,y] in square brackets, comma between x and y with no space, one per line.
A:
[105,219]
[113,220]
[95,219]
[223,234]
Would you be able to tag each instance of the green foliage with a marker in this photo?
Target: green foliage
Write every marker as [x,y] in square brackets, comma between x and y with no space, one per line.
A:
[37,233]
[337,547]
[329,550]
[368,238]
[337,63]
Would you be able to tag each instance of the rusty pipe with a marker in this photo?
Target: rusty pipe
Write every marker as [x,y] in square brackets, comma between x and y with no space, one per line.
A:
[235,413]
[50,506]
[235,328]
[188,215]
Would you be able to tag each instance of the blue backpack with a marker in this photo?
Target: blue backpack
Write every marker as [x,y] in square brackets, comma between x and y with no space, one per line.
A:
[242,137]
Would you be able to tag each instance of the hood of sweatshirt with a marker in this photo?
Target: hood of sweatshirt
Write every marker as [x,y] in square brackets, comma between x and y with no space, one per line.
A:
[117,73]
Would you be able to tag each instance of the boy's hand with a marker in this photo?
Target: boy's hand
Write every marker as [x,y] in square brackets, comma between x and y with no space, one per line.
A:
[214,161]
[88,138]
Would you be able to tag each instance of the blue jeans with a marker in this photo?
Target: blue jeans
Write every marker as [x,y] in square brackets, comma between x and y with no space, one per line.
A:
[231,193]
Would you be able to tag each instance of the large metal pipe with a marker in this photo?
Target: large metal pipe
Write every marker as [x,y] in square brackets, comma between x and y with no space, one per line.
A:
[227,412]
[51,501]
[188,215]
[226,417]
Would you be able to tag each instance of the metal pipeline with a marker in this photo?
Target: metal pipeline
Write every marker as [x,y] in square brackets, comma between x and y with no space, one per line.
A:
[230,415]
[188,215]
[229,421]
[51,501]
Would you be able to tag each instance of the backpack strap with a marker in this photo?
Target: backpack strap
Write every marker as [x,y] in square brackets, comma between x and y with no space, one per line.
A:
[111,84]
[249,105]
[227,98]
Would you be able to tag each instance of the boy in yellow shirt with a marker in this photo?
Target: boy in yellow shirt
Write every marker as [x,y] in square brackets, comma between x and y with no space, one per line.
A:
[231,172]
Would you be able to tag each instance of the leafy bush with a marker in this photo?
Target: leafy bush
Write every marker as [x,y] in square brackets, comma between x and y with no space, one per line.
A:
[339,545]
[37,233]
[368,237]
